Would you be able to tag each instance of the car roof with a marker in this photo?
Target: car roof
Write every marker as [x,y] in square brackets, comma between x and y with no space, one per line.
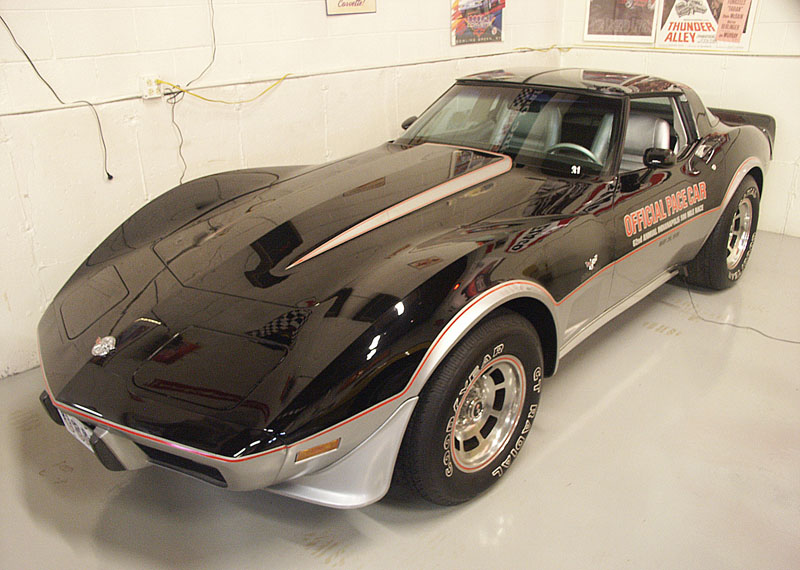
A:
[610,82]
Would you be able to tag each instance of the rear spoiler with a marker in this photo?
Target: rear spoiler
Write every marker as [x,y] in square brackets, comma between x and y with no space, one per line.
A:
[765,123]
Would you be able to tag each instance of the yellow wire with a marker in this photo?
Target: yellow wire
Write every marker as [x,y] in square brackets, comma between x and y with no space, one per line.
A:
[650,47]
[561,49]
[193,94]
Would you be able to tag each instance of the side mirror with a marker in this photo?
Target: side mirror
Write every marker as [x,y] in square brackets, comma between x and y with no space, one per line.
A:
[658,157]
[408,122]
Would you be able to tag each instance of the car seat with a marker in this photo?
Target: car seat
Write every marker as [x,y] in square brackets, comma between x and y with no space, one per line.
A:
[643,132]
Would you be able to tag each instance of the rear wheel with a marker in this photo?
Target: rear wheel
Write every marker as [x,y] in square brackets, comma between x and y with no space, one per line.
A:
[475,413]
[721,261]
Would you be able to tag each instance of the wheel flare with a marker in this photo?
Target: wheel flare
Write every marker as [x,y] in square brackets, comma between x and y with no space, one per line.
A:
[480,394]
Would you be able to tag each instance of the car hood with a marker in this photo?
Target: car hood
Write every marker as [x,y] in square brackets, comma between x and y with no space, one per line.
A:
[320,227]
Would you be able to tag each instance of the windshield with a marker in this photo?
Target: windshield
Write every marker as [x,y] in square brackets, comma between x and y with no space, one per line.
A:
[568,132]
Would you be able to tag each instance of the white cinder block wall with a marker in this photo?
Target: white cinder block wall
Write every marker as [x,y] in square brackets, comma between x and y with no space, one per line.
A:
[56,203]
[355,79]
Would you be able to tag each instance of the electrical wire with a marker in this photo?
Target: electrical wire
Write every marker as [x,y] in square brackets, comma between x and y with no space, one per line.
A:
[210,100]
[659,49]
[293,76]
[213,44]
[395,66]
[173,99]
[743,327]
[177,94]
[60,100]
[561,49]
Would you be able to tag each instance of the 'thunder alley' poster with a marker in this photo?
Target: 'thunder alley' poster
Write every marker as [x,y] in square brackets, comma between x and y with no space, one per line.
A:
[706,24]
[476,21]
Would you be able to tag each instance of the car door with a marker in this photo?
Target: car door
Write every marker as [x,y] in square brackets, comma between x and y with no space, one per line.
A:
[563,232]
[653,204]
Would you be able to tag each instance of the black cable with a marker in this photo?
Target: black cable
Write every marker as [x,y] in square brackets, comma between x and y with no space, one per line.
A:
[213,44]
[755,330]
[60,100]
[176,97]
[173,99]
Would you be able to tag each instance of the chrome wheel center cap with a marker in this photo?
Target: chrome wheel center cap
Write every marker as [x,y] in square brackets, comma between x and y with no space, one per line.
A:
[476,410]
[472,409]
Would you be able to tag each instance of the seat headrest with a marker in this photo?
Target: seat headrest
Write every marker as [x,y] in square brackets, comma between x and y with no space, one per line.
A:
[645,131]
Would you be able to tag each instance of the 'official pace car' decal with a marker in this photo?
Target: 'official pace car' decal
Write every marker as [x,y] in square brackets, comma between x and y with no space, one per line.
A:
[672,209]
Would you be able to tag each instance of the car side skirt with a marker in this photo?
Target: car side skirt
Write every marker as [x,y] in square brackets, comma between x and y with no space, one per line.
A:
[615,311]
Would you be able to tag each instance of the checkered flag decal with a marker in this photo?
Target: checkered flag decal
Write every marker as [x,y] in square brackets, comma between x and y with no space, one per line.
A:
[284,328]
[525,99]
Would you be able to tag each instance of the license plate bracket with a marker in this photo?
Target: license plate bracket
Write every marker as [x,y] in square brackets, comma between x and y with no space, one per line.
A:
[78,429]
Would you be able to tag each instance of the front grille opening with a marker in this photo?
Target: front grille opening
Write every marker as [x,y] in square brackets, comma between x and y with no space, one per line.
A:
[185,466]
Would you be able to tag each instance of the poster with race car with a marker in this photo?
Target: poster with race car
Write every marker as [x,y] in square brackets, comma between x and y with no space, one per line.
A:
[620,21]
[476,21]
[706,24]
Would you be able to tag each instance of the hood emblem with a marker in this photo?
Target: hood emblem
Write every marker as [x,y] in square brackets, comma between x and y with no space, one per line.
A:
[591,262]
[103,346]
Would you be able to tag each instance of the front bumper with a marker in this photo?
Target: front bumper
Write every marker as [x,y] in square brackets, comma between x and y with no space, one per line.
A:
[354,474]
[122,448]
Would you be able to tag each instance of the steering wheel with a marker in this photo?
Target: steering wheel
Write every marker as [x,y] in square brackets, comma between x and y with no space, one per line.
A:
[565,147]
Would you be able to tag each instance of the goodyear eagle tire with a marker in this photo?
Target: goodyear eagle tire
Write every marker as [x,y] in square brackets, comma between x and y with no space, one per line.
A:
[724,256]
[475,412]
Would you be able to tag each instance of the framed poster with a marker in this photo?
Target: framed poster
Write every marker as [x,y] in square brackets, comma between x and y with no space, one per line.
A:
[620,21]
[476,21]
[339,7]
[706,24]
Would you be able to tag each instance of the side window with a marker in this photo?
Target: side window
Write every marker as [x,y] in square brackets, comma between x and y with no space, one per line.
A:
[653,122]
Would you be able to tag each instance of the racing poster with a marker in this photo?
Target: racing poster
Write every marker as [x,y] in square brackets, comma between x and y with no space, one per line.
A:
[706,24]
[476,21]
[620,21]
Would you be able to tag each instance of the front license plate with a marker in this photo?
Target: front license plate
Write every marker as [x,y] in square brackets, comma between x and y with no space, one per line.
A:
[78,429]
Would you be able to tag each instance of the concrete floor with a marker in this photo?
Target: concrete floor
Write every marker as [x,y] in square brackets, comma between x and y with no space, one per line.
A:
[662,442]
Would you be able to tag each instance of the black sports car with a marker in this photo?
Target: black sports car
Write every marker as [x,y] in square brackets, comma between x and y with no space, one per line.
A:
[317,330]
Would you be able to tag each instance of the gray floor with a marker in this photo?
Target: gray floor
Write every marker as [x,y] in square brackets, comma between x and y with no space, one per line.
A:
[662,442]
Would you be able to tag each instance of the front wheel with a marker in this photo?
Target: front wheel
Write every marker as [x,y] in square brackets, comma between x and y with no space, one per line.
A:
[724,256]
[475,413]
